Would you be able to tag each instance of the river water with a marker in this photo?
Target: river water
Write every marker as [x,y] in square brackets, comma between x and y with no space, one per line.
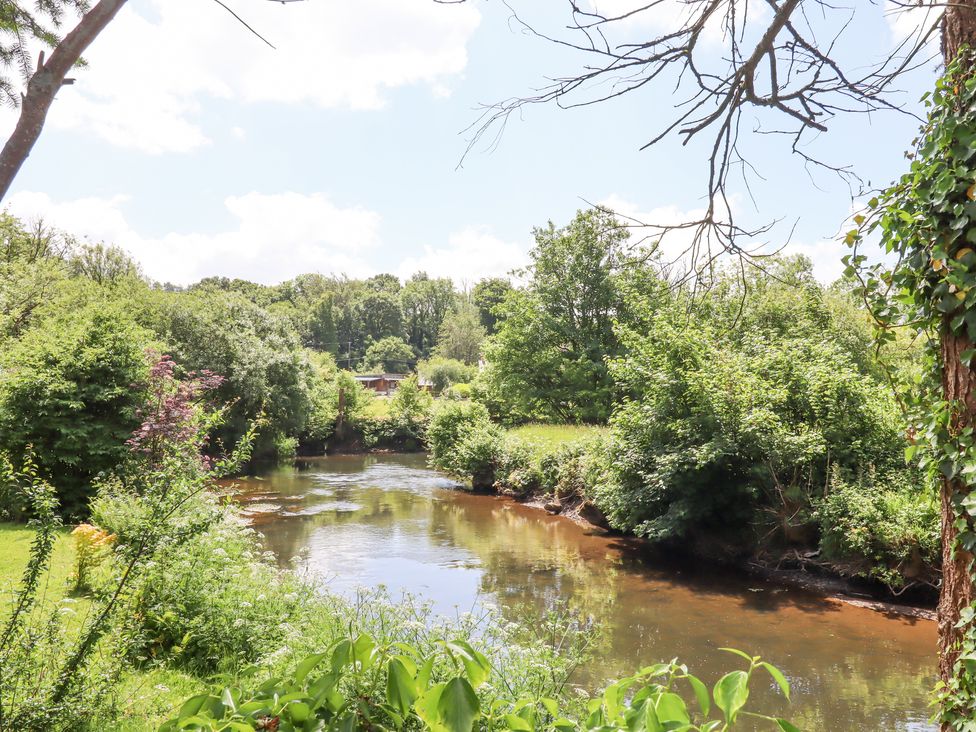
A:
[389,520]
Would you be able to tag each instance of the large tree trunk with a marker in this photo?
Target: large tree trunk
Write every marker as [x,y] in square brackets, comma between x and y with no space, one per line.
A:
[45,83]
[959,385]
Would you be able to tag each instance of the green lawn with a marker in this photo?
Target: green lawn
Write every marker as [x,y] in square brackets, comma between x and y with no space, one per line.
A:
[545,438]
[378,408]
[145,698]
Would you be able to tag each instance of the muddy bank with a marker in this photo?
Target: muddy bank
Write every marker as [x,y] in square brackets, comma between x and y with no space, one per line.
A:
[768,567]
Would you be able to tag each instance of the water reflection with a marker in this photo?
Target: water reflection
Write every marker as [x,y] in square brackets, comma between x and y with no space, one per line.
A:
[387,519]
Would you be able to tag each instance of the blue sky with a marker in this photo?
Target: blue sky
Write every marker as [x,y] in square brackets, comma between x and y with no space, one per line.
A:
[203,152]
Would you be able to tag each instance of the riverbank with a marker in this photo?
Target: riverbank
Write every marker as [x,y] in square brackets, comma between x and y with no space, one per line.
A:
[830,587]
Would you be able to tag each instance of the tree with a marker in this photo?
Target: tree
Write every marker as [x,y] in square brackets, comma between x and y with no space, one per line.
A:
[389,355]
[550,350]
[322,326]
[103,264]
[780,61]
[460,335]
[487,296]
[426,302]
[67,394]
[445,372]
[379,315]
[47,79]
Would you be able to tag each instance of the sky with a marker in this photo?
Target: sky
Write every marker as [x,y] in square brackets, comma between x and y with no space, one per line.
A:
[202,151]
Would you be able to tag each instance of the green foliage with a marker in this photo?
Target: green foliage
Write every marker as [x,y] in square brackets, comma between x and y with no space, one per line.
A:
[548,356]
[883,530]
[448,422]
[762,410]
[445,372]
[460,335]
[411,405]
[487,296]
[360,684]
[217,604]
[426,302]
[266,371]
[67,388]
[388,355]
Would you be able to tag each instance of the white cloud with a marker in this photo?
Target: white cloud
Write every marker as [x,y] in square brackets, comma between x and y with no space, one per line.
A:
[153,66]
[471,254]
[277,236]
[906,21]
[238,133]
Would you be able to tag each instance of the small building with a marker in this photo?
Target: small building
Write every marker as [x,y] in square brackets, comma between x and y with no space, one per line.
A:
[388,383]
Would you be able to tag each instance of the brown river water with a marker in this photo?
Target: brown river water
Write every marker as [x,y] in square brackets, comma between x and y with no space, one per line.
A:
[364,521]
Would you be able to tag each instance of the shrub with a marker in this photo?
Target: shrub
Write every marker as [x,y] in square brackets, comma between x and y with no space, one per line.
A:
[446,372]
[217,604]
[458,391]
[876,527]
[66,389]
[447,423]
[478,453]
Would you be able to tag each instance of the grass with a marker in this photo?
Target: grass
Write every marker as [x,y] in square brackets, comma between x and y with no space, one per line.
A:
[378,408]
[145,698]
[545,438]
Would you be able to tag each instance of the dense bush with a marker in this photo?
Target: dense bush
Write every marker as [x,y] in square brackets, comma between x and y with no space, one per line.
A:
[217,604]
[69,388]
[723,427]
[881,528]
[445,372]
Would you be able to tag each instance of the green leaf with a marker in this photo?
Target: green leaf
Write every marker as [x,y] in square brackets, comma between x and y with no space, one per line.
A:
[193,705]
[652,723]
[778,677]
[736,651]
[457,707]
[701,693]
[341,655]
[363,650]
[307,664]
[786,726]
[671,708]
[731,693]
[401,689]
[299,711]
[515,722]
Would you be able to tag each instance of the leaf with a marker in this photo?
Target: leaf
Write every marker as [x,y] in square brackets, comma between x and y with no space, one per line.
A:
[299,711]
[671,708]
[736,651]
[363,650]
[701,694]
[193,705]
[401,689]
[515,722]
[307,664]
[778,677]
[731,693]
[786,726]
[457,707]
[341,655]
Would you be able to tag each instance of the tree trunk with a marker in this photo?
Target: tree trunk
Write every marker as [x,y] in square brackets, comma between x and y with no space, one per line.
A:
[45,83]
[959,385]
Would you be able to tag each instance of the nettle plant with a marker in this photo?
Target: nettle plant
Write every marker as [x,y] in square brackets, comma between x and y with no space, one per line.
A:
[359,685]
[926,221]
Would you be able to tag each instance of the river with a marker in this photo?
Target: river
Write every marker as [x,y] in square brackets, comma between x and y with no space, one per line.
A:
[389,520]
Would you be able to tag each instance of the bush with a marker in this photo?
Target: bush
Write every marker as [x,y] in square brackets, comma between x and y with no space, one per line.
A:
[66,389]
[878,528]
[479,453]
[458,391]
[447,423]
[446,372]
[217,604]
